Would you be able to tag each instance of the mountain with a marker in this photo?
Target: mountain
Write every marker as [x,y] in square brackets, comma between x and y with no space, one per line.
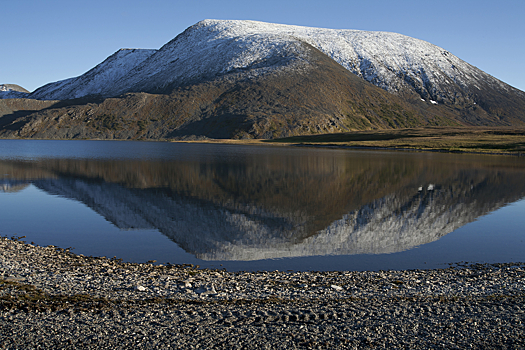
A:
[394,62]
[95,80]
[246,79]
[12,91]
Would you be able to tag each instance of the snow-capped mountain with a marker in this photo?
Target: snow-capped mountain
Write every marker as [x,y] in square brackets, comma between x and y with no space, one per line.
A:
[394,62]
[12,91]
[246,79]
[95,81]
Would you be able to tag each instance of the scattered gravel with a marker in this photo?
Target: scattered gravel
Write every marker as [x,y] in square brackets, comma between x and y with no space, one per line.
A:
[52,298]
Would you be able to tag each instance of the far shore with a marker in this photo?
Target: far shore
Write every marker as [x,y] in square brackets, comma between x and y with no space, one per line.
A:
[509,141]
[478,140]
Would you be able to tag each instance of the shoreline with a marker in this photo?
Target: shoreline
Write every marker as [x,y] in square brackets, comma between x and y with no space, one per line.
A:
[84,297]
[499,141]
[264,142]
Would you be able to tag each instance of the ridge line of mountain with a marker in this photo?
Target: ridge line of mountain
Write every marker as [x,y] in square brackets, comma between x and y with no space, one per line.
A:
[247,79]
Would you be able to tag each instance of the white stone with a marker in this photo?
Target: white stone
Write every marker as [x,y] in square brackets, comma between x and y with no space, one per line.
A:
[337,288]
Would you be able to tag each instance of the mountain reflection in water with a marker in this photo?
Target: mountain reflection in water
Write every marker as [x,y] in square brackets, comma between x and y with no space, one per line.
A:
[273,206]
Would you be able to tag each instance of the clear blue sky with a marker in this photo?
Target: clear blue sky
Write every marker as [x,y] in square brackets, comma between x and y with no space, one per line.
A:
[45,41]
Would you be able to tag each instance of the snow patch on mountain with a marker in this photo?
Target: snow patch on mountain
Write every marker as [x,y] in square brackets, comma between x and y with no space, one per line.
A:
[199,54]
[391,61]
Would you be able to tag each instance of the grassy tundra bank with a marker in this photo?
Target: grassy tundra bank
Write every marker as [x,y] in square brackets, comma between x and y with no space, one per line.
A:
[499,140]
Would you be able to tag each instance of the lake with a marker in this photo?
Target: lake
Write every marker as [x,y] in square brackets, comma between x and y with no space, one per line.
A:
[263,207]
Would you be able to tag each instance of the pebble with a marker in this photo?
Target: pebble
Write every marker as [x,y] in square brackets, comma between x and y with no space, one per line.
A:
[337,288]
[52,298]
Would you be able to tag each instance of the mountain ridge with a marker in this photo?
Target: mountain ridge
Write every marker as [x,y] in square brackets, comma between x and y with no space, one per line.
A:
[91,82]
[229,67]
[356,50]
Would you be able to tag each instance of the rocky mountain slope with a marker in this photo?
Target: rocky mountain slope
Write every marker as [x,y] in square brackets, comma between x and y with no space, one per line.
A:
[246,79]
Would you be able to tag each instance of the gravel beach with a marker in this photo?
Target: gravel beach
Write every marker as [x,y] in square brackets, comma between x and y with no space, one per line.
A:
[52,298]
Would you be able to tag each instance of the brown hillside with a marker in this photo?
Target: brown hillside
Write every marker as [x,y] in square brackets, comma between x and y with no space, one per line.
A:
[322,97]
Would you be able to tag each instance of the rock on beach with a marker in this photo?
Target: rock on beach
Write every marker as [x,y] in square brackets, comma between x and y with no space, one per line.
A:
[52,298]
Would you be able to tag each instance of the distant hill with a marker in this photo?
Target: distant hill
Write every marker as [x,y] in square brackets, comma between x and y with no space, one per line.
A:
[245,79]
[12,91]
[12,87]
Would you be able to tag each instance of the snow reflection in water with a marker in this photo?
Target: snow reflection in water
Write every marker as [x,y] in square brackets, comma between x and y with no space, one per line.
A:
[276,203]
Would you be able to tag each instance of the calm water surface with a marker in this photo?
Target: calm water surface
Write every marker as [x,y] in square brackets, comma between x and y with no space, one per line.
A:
[263,208]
